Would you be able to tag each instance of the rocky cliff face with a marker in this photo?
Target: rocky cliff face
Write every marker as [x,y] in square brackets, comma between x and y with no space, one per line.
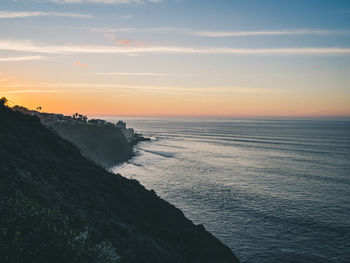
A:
[57,206]
[100,141]
[104,144]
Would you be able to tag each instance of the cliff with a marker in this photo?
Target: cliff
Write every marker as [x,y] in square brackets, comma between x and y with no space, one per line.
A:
[57,206]
[103,142]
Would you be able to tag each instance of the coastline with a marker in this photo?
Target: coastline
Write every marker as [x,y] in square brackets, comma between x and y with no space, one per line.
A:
[69,209]
[103,142]
[220,174]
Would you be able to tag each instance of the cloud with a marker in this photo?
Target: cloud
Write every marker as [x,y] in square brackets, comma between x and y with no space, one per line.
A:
[78,64]
[132,29]
[26,58]
[29,46]
[7,14]
[126,17]
[37,87]
[104,1]
[130,74]
[208,33]
[124,42]
[129,42]
[270,33]
[132,55]
[23,87]
[34,91]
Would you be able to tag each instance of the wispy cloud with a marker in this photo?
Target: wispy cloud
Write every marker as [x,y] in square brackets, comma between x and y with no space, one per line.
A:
[128,42]
[35,91]
[126,17]
[218,33]
[271,33]
[8,14]
[28,46]
[129,74]
[132,29]
[25,58]
[46,87]
[104,1]
[79,64]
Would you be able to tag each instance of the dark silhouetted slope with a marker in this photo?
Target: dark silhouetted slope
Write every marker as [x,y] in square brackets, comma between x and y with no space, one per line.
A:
[57,206]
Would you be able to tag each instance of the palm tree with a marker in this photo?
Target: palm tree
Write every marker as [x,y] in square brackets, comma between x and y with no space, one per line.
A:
[3,102]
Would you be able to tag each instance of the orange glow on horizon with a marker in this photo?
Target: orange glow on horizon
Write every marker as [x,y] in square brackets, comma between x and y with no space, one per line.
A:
[155,103]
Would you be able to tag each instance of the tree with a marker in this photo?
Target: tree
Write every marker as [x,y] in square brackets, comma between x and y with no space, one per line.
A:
[39,108]
[3,102]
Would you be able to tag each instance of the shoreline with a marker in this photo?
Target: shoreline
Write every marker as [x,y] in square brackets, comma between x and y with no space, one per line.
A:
[101,141]
[49,189]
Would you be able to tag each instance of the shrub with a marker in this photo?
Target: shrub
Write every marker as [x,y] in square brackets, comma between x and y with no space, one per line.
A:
[31,233]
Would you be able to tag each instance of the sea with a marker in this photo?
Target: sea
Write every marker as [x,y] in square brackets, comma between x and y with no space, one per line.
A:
[271,190]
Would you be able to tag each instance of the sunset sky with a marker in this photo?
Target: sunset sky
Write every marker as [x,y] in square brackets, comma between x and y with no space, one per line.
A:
[238,58]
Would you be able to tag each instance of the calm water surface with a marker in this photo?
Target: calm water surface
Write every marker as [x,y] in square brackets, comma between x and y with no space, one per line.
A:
[273,191]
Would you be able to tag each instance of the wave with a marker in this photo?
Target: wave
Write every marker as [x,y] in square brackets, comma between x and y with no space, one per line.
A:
[135,163]
[171,146]
[160,153]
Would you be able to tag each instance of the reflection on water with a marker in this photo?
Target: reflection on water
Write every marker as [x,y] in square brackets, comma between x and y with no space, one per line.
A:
[273,191]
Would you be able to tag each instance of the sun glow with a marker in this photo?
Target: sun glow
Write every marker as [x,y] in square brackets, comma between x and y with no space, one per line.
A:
[134,100]
[109,58]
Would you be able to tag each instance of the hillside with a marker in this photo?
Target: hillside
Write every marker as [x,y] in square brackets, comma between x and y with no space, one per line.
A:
[57,206]
[103,142]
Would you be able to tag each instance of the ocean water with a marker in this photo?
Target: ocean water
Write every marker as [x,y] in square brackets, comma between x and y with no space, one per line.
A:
[273,191]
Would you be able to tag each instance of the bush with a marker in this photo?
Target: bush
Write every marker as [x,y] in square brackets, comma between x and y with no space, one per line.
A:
[30,233]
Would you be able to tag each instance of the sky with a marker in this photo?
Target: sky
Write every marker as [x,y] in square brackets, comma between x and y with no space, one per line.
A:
[227,58]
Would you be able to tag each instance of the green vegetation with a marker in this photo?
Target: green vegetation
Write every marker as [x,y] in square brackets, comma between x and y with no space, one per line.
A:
[31,233]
